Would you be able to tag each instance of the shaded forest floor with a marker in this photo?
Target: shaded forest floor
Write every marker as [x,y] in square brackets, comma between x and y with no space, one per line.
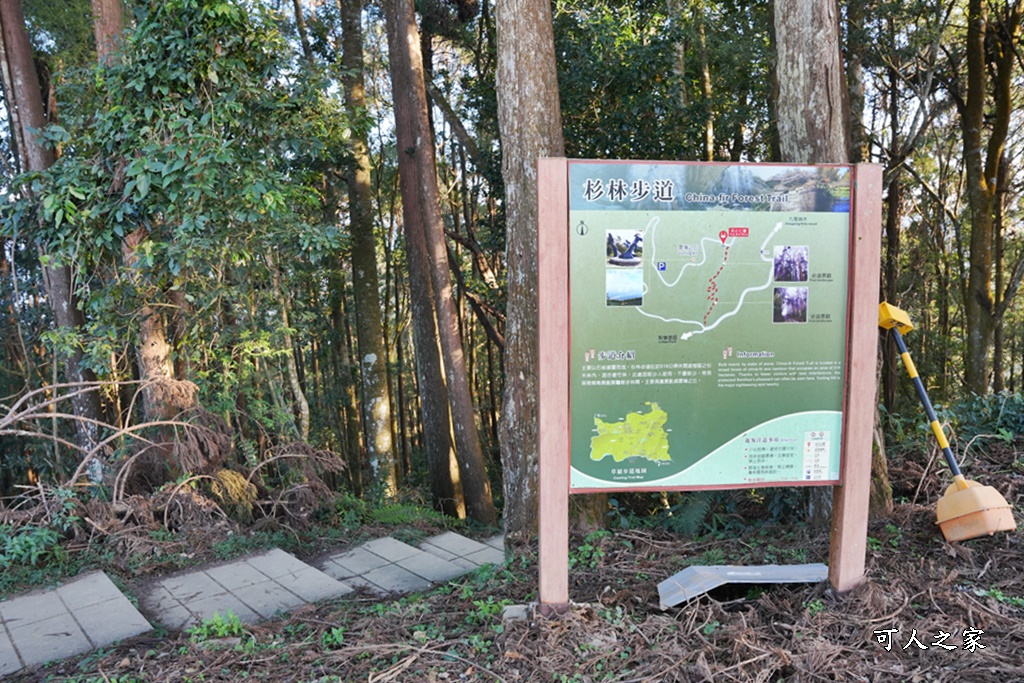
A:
[918,589]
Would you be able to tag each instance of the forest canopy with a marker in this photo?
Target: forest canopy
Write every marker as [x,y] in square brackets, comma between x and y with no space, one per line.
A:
[210,255]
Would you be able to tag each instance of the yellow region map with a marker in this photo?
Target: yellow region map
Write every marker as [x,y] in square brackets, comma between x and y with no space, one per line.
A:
[640,435]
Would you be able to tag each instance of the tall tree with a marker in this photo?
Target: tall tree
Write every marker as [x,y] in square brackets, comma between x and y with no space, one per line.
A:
[369,330]
[422,209]
[531,127]
[25,107]
[991,54]
[812,106]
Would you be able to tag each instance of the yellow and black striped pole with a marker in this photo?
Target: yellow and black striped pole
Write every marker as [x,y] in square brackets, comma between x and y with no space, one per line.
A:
[892,318]
[967,509]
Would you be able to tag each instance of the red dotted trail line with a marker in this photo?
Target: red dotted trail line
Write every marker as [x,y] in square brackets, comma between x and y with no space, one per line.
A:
[712,289]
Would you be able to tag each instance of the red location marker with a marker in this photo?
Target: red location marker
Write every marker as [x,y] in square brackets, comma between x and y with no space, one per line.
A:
[722,235]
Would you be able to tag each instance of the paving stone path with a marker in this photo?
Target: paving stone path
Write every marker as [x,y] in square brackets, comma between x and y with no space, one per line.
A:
[90,612]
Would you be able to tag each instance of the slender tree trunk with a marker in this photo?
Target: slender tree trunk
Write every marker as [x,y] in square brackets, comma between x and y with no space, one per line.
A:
[25,105]
[369,330]
[424,231]
[708,143]
[291,368]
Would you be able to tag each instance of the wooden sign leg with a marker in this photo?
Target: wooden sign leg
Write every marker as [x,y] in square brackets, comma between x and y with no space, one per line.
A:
[848,547]
[553,369]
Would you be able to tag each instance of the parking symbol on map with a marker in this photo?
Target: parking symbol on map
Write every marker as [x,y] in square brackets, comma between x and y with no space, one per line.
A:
[662,265]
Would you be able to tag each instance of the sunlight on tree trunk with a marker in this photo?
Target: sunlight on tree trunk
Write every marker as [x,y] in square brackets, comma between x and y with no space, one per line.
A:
[421,197]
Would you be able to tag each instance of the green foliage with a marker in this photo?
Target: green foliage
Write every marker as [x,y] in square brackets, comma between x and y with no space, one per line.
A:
[332,638]
[200,143]
[589,553]
[629,78]
[998,595]
[401,514]
[28,545]
[815,607]
[486,610]
[217,626]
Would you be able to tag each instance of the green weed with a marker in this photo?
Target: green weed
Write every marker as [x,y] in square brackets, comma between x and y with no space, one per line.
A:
[217,626]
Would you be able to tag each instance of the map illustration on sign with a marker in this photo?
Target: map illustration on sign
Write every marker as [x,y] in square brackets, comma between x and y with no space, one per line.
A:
[708,323]
[639,435]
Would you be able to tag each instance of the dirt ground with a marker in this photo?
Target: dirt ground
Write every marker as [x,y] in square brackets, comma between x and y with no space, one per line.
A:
[927,611]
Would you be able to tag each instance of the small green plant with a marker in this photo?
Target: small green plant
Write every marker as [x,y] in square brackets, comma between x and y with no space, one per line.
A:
[815,607]
[998,595]
[590,553]
[895,535]
[217,626]
[710,627]
[486,610]
[332,638]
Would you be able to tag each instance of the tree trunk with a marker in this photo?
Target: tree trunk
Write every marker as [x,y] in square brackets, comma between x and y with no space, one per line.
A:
[530,123]
[812,110]
[107,22]
[425,236]
[812,102]
[982,161]
[25,105]
[290,365]
[369,330]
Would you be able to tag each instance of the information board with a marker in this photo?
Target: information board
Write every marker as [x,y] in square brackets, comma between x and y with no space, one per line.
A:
[708,309]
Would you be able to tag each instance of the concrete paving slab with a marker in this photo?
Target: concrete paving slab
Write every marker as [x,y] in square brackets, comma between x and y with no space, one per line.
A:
[390,549]
[193,587]
[83,614]
[54,638]
[386,565]
[9,661]
[394,579]
[451,545]
[236,575]
[92,589]
[309,585]
[218,605]
[355,562]
[102,627]
[31,608]
[276,563]
[431,567]
[496,542]
[252,589]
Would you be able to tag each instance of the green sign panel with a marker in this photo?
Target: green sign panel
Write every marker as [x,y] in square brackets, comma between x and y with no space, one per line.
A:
[708,324]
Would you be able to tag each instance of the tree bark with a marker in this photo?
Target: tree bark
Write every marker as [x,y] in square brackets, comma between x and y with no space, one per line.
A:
[25,104]
[812,110]
[812,102]
[107,22]
[530,123]
[369,330]
[425,234]
[982,160]
[291,368]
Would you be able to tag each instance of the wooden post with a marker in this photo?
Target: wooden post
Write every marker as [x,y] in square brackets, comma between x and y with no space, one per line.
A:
[553,381]
[848,547]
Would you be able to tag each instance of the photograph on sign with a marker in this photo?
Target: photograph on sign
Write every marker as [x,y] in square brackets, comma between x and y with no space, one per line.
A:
[708,324]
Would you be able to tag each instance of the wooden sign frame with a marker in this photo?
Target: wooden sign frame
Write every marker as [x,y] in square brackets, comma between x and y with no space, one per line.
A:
[848,544]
